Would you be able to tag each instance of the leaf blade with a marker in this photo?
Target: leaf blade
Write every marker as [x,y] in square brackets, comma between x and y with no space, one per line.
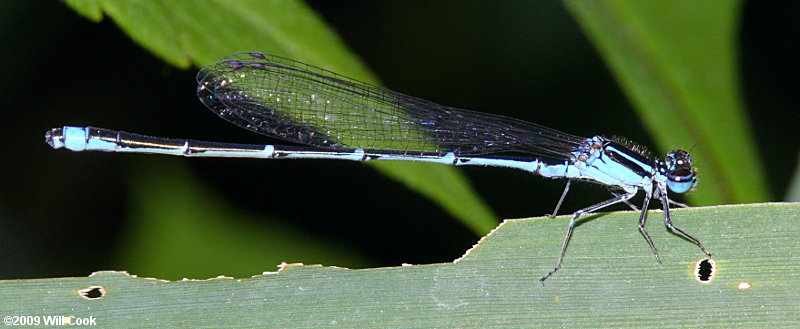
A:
[609,279]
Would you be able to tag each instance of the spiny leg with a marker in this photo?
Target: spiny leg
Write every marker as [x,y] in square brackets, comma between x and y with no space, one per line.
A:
[642,217]
[617,199]
[682,205]
[668,219]
[634,208]
[625,201]
[560,200]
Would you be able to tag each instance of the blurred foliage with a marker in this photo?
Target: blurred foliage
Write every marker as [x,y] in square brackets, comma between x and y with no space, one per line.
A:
[70,214]
[677,62]
[684,83]
[179,226]
[208,30]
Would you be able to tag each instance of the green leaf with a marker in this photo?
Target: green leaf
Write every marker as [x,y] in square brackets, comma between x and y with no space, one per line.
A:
[451,188]
[609,279]
[90,9]
[200,32]
[677,62]
[191,232]
[793,194]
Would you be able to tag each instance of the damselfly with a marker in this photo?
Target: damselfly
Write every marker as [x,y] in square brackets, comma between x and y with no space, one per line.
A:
[342,118]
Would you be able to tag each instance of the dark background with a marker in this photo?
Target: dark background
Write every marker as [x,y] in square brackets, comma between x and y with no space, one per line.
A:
[500,57]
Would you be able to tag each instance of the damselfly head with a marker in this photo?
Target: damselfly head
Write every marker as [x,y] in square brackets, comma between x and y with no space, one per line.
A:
[681,175]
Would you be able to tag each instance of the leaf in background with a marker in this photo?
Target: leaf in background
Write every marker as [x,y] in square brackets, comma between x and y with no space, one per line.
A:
[451,188]
[200,32]
[793,194]
[191,232]
[609,279]
[677,62]
[90,9]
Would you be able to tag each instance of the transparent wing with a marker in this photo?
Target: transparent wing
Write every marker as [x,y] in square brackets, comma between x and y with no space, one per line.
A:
[304,104]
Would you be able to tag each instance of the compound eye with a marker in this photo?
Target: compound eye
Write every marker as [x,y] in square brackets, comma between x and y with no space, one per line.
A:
[680,175]
[681,180]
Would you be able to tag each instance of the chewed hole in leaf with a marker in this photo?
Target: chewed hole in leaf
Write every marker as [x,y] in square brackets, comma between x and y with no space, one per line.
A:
[92,292]
[704,270]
